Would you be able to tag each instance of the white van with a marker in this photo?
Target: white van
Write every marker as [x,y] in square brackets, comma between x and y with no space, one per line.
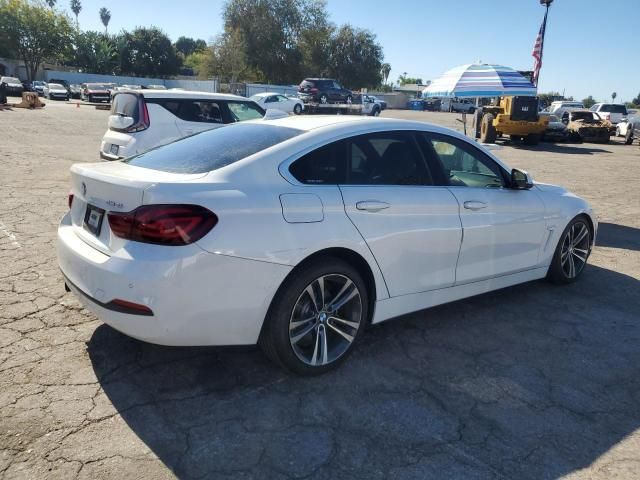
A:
[144,119]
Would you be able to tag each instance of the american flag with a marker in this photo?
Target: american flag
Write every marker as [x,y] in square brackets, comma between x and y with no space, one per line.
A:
[537,51]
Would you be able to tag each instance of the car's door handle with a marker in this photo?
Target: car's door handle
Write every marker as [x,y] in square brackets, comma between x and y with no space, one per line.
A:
[474,205]
[372,205]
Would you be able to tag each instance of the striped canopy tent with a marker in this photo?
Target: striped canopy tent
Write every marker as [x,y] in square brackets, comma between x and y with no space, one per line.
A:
[480,80]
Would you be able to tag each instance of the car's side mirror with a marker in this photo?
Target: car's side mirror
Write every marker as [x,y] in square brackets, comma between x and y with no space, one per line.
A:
[521,180]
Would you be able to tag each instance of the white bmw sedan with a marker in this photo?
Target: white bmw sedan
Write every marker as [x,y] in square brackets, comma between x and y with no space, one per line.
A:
[296,233]
[280,102]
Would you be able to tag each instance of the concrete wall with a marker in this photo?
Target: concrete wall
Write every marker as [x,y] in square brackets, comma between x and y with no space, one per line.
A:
[393,99]
[73,77]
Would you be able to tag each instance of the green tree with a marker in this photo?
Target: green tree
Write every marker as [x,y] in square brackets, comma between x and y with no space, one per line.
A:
[33,33]
[272,31]
[589,101]
[187,45]
[95,52]
[404,80]
[385,70]
[227,58]
[356,57]
[147,51]
[76,7]
[636,101]
[105,18]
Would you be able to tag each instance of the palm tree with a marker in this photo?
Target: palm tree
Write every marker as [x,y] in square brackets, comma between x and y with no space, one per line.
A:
[105,16]
[385,70]
[76,6]
[613,97]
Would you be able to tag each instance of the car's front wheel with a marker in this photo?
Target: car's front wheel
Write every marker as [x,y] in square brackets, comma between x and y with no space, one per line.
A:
[628,138]
[572,252]
[316,317]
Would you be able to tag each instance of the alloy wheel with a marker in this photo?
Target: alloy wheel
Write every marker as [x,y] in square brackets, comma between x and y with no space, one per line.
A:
[575,249]
[325,319]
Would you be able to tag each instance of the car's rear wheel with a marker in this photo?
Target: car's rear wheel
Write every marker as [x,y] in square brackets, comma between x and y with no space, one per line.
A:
[628,138]
[532,139]
[297,109]
[316,317]
[572,252]
[375,112]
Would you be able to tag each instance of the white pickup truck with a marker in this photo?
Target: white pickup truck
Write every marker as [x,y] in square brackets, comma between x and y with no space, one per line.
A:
[614,112]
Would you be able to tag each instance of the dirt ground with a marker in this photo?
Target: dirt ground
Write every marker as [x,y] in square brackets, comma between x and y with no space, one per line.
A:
[531,382]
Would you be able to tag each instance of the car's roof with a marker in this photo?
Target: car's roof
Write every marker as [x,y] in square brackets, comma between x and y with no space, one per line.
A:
[267,94]
[309,123]
[186,94]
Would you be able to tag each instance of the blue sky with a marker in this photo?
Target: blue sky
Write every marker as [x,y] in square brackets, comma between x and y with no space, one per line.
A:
[425,38]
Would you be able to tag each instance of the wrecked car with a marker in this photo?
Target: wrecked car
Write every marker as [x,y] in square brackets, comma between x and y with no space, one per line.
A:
[587,126]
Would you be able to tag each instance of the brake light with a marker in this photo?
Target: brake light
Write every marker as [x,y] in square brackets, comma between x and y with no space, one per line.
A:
[163,224]
[70,200]
[143,113]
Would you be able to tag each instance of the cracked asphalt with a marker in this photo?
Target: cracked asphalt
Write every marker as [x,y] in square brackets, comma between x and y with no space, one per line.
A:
[531,382]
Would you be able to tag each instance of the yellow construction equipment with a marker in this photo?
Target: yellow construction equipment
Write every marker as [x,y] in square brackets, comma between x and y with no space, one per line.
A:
[517,117]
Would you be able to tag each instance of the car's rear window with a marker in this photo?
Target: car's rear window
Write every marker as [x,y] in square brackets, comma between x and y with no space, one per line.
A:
[125,104]
[213,149]
[613,108]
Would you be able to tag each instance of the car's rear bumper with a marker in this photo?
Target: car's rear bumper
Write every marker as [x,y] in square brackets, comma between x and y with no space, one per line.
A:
[196,297]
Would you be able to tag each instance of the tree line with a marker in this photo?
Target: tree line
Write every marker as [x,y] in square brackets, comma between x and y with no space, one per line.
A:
[275,41]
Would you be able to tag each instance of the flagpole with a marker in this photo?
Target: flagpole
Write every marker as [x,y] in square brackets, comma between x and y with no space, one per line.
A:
[547,4]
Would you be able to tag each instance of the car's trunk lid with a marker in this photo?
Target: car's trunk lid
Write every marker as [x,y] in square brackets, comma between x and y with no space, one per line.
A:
[100,188]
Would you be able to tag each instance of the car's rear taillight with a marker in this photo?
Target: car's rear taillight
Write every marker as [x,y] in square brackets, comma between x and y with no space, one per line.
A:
[163,224]
[143,115]
[70,200]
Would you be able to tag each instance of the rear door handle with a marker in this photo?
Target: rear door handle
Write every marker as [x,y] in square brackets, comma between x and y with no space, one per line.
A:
[474,205]
[372,205]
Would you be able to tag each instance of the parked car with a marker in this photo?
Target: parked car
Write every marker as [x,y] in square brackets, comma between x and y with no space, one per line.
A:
[279,102]
[75,90]
[155,87]
[371,105]
[26,86]
[60,81]
[38,86]
[95,92]
[561,108]
[556,130]
[13,86]
[461,105]
[416,104]
[382,103]
[55,91]
[629,128]
[588,126]
[296,233]
[323,90]
[614,112]
[144,119]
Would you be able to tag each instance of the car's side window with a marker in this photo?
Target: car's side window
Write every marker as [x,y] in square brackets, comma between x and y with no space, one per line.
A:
[465,165]
[271,99]
[282,98]
[202,111]
[322,166]
[241,111]
[389,158]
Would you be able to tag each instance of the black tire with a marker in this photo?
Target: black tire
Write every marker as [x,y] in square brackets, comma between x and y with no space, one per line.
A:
[628,138]
[557,272]
[297,109]
[324,98]
[532,139]
[488,132]
[275,338]
[375,112]
[515,138]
